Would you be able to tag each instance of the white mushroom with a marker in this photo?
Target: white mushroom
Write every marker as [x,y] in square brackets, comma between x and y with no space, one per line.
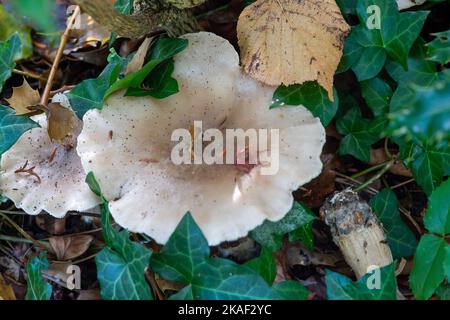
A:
[405,4]
[38,174]
[128,146]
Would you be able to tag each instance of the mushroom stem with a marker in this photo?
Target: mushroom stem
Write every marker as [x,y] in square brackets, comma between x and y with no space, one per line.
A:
[357,231]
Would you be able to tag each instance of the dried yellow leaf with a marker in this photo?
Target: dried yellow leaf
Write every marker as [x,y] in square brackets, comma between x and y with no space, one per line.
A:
[6,291]
[292,41]
[24,97]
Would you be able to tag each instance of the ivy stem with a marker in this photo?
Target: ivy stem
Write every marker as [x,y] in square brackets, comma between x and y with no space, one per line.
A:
[59,54]
[368,170]
[375,177]
[386,148]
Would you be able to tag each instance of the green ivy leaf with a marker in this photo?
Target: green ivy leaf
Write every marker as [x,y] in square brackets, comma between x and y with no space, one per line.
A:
[8,26]
[167,48]
[339,287]
[38,13]
[120,270]
[429,167]
[90,94]
[427,115]
[270,234]
[185,258]
[439,48]
[159,84]
[359,133]
[163,49]
[443,292]
[368,49]
[12,127]
[431,262]
[420,71]
[311,95]
[291,290]
[9,52]
[447,262]
[401,239]
[304,234]
[347,6]
[121,264]
[264,265]
[377,94]
[428,266]
[124,6]
[437,218]
[37,287]
[186,248]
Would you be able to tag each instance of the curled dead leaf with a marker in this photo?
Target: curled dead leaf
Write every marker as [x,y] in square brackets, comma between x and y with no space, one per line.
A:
[291,41]
[70,247]
[6,291]
[138,59]
[60,122]
[87,30]
[24,97]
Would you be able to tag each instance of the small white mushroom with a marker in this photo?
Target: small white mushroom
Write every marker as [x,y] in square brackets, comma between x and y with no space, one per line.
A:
[405,4]
[38,174]
[128,146]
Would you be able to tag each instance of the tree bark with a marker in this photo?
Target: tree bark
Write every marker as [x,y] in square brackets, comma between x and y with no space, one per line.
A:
[154,19]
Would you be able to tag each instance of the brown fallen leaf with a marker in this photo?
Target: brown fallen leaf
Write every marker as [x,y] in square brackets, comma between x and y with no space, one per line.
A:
[70,247]
[50,224]
[6,291]
[90,294]
[60,122]
[291,41]
[87,30]
[24,97]
[314,192]
[378,156]
[57,273]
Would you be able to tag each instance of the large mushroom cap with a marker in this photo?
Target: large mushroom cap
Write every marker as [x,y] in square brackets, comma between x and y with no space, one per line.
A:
[128,146]
[38,174]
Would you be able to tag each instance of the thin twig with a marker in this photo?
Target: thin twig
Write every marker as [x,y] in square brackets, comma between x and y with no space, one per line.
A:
[375,177]
[408,216]
[356,182]
[352,184]
[22,232]
[62,89]
[29,75]
[401,184]
[59,54]
[14,239]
